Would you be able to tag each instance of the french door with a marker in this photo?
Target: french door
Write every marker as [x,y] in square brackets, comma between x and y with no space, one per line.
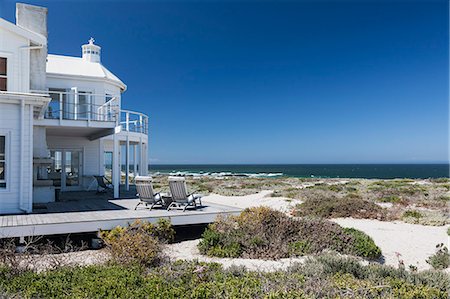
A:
[66,170]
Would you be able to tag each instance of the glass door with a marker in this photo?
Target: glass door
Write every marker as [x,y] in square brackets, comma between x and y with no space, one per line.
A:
[72,167]
[66,170]
[55,170]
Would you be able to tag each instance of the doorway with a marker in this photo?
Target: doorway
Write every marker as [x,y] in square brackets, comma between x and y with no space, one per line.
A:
[66,169]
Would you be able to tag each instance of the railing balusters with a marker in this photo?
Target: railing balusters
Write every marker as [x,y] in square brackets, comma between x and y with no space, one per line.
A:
[110,111]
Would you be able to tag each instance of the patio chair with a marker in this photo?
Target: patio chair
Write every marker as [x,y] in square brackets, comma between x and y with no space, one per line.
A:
[181,199]
[146,194]
[103,184]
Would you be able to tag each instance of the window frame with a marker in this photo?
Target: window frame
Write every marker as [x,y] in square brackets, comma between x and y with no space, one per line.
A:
[7,71]
[7,181]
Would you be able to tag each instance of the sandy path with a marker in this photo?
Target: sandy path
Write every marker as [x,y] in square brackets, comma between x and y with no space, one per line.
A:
[414,242]
[262,198]
[188,250]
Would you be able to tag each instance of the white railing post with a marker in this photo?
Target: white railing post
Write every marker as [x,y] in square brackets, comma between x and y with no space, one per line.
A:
[60,107]
[89,104]
[127,121]
[140,123]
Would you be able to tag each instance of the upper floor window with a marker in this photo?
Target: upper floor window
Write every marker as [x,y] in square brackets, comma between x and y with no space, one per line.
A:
[3,161]
[3,74]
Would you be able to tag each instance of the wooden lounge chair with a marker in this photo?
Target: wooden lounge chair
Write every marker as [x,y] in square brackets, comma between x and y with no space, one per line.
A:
[181,199]
[103,184]
[146,194]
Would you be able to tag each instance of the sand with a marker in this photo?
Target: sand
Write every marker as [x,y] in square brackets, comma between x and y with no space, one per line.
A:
[187,250]
[263,198]
[413,243]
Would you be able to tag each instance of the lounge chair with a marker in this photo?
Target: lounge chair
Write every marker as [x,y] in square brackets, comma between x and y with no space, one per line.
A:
[103,184]
[146,194]
[181,199]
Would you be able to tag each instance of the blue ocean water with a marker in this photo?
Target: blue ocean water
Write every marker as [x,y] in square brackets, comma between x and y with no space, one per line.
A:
[370,171]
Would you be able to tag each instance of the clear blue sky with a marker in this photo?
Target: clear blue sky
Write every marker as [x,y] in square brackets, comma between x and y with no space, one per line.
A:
[269,82]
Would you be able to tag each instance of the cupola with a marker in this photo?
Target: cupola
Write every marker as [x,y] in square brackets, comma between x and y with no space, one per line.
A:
[91,52]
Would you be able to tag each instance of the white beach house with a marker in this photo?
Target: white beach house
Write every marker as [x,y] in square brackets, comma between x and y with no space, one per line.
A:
[61,118]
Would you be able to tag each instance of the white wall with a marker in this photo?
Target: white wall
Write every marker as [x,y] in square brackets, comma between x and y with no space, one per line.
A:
[10,123]
[18,63]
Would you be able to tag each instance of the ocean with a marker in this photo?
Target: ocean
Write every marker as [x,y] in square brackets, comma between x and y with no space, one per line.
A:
[369,171]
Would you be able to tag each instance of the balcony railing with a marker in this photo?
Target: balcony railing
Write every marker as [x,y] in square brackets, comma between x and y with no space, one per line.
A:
[73,105]
[134,121]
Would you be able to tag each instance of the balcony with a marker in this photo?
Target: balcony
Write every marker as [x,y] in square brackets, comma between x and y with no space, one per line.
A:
[90,115]
[132,121]
[73,105]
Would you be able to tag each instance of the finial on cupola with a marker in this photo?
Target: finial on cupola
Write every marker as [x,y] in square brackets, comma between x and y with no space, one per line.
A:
[90,51]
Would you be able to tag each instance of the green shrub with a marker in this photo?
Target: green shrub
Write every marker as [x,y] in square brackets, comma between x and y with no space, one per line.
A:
[265,233]
[363,244]
[162,230]
[441,259]
[334,207]
[412,214]
[390,199]
[299,248]
[326,276]
[138,243]
[136,246]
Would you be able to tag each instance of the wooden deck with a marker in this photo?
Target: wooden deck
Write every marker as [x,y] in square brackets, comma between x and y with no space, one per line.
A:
[84,215]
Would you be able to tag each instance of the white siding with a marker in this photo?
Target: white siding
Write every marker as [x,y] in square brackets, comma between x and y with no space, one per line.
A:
[10,122]
[18,67]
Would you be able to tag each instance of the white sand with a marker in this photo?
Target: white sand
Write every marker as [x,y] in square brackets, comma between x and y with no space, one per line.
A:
[45,262]
[188,250]
[414,242]
[262,198]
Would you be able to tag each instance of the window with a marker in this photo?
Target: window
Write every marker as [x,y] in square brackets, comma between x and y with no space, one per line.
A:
[2,161]
[3,75]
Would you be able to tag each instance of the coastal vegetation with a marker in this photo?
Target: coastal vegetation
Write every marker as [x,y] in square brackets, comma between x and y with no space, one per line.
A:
[395,199]
[269,234]
[140,242]
[325,276]
[138,268]
[441,259]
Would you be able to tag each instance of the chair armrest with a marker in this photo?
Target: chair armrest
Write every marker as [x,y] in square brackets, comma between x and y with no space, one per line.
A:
[192,193]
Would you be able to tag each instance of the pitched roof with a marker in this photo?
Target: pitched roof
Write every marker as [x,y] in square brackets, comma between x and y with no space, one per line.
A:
[76,66]
[33,36]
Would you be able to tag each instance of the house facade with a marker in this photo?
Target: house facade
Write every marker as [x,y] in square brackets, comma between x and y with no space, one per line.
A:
[62,119]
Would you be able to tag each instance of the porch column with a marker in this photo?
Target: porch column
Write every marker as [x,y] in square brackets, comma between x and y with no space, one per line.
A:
[116,166]
[127,164]
[135,159]
[141,169]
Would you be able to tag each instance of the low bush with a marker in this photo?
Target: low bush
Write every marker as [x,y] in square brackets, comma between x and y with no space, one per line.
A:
[334,207]
[138,243]
[326,276]
[390,199]
[412,214]
[441,259]
[363,244]
[265,233]
[162,230]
